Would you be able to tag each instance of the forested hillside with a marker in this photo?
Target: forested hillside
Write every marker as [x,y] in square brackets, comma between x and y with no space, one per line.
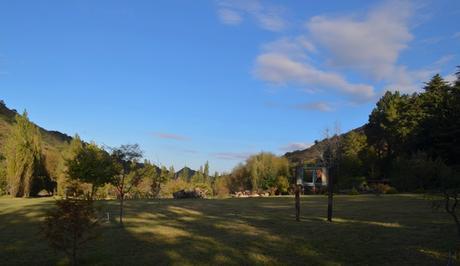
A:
[52,139]
[411,141]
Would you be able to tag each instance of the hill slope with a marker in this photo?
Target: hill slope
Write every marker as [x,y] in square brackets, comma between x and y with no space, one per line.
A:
[54,142]
[314,152]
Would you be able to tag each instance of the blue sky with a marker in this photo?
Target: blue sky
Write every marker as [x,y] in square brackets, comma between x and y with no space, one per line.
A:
[192,81]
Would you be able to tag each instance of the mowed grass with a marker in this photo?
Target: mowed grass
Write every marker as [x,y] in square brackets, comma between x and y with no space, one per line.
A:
[367,230]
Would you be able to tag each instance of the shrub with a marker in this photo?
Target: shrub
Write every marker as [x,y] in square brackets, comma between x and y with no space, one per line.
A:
[347,182]
[220,187]
[282,185]
[353,191]
[205,187]
[384,189]
[173,186]
[70,225]
[392,190]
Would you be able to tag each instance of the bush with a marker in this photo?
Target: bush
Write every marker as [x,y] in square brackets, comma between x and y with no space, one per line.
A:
[204,187]
[107,191]
[347,182]
[220,187]
[353,192]
[384,189]
[418,172]
[68,226]
[392,190]
[282,185]
[173,186]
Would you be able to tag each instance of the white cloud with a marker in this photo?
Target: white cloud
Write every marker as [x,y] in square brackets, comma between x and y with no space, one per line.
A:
[267,16]
[371,45]
[270,20]
[456,35]
[295,146]
[451,78]
[315,106]
[293,47]
[230,17]
[279,69]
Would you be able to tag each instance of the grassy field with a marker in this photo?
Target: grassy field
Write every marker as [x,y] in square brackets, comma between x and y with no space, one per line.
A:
[367,230]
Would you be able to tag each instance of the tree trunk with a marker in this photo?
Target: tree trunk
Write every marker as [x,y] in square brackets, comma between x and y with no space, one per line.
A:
[330,195]
[297,203]
[122,196]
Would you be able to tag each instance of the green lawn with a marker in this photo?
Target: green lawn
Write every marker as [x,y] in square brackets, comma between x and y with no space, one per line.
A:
[368,230]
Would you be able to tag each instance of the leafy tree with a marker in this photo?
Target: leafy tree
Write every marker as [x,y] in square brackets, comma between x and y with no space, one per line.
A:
[24,160]
[127,171]
[91,164]
[260,171]
[206,172]
[171,173]
[184,176]
[157,178]
[65,183]
[70,225]
[216,175]
[351,164]
[198,177]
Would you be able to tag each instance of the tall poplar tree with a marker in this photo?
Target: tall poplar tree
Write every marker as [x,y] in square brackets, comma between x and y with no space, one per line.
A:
[23,158]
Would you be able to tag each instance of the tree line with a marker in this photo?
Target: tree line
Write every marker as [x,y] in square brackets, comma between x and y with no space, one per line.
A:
[411,141]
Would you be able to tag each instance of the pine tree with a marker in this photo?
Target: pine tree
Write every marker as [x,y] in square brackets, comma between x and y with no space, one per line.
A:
[24,158]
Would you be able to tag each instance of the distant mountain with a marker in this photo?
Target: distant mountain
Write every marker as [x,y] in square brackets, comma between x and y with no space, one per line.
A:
[191,172]
[314,152]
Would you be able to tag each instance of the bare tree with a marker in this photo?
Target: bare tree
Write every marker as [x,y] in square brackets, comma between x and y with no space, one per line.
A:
[330,158]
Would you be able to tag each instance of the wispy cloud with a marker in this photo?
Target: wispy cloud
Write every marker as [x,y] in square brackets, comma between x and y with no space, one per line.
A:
[229,16]
[231,155]
[295,146]
[163,135]
[267,16]
[444,60]
[280,69]
[315,106]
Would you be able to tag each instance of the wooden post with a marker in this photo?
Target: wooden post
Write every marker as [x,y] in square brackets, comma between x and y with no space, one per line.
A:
[297,203]
[330,196]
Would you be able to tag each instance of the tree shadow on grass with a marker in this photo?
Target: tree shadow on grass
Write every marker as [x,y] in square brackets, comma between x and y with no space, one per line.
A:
[242,232]
[21,241]
[263,231]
